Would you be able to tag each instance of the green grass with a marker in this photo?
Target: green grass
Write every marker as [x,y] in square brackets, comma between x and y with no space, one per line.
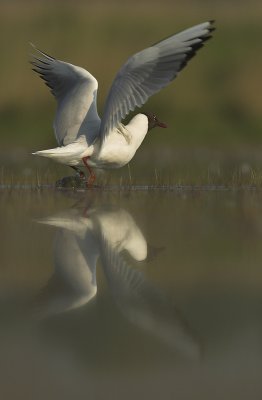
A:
[213,177]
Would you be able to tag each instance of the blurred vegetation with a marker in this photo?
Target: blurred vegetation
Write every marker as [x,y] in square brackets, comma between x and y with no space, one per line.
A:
[214,104]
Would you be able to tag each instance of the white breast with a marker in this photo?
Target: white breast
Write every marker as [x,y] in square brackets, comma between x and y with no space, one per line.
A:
[120,146]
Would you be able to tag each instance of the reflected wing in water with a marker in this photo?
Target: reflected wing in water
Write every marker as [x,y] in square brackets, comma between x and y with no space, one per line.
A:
[76,250]
[73,283]
[144,304]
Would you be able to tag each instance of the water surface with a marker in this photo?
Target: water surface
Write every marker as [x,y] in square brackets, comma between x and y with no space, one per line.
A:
[109,295]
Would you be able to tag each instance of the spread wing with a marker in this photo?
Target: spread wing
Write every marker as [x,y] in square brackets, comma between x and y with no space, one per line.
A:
[148,71]
[75,90]
[73,283]
[144,304]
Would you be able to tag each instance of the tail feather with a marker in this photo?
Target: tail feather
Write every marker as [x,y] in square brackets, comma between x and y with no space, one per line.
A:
[44,153]
[51,153]
[70,154]
[63,155]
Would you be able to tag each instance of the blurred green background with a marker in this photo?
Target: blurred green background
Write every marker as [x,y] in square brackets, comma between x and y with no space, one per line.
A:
[213,109]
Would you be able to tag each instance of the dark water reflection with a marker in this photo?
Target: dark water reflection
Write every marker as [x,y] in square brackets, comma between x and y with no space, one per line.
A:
[123,296]
[88,234]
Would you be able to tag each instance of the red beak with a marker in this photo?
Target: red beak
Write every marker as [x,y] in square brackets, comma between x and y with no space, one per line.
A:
[161,124]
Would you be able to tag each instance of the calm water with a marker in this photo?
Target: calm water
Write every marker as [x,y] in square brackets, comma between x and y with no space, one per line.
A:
[131,295]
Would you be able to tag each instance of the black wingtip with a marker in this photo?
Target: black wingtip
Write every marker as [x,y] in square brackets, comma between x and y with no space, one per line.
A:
[39,60]
[38,66]
[41,52]
[197,46]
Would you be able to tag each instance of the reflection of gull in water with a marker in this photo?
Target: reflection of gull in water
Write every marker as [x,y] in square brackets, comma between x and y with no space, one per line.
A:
[106,232]
[76,251]
[144,304]
[73,283]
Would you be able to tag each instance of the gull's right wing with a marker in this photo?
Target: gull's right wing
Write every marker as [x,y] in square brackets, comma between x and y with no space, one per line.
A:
[75,90]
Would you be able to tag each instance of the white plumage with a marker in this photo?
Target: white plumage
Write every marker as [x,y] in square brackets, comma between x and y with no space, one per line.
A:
[82,137]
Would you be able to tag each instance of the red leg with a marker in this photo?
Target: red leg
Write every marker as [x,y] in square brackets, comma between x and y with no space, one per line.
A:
[91,179]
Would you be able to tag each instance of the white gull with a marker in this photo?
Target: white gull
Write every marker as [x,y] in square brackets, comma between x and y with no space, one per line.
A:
[86,140]
[85,235]
[77,247]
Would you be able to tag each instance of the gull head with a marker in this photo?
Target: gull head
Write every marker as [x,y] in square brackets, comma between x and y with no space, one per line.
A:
[153,121]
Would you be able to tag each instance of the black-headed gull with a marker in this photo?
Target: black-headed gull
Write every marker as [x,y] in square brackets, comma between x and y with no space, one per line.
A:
[77,248]
[107,233]
[86,140]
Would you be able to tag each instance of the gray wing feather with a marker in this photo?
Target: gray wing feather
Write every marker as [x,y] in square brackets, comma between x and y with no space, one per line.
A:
[150,70]
[144,304]
[75,91]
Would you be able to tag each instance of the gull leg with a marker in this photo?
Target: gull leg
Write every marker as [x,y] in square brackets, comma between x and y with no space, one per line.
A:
[91,179]
[80,173]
